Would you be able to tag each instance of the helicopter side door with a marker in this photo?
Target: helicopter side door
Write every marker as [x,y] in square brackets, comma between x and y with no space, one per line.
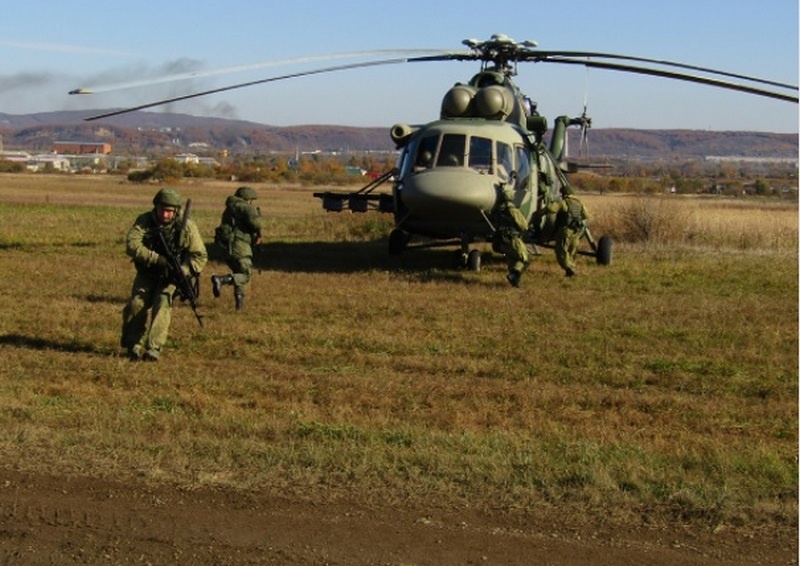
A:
[524,184]
[549,186]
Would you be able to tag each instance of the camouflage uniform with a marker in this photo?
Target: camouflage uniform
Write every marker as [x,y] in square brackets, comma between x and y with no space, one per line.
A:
[153,289]
[246,221]
[571,217]
[508,238]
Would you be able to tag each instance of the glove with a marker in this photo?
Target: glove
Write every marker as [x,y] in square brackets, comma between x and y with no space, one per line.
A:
[164,268]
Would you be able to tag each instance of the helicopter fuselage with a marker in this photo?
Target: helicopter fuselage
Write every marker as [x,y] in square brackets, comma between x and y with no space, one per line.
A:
[450,172]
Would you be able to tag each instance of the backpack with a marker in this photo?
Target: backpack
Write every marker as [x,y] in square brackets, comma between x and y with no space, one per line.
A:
[223,236]
[571,214]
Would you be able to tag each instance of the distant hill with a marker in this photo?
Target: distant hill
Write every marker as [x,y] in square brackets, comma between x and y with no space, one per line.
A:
[168,133]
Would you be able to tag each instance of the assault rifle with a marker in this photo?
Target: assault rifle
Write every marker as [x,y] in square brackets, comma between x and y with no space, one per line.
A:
[188,285]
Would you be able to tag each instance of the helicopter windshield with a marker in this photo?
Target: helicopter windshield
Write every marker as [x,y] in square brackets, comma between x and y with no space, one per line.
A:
[482,154]
[425,152]
[452,151]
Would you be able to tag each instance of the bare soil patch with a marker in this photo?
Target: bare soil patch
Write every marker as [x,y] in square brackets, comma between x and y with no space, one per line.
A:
[73,520]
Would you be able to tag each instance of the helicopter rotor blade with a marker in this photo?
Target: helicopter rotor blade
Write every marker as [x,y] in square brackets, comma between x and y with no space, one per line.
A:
[559,56]
[501,54]
[677,76]
[248,67]
[335,68]
[583,58]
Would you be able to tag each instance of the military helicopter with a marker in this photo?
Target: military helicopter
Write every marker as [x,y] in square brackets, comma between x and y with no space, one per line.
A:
[489,138]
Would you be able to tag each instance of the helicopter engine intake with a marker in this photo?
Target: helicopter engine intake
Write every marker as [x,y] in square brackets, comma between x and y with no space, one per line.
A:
[492,102]
[458,102]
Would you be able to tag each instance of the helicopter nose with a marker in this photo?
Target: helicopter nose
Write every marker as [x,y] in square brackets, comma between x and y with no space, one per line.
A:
[449,194]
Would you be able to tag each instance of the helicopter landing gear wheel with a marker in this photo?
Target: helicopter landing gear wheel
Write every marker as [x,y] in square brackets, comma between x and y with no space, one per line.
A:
[397,242]
[474,260]
[603,253]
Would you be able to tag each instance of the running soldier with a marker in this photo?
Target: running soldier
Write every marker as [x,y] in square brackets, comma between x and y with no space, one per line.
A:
[239,230]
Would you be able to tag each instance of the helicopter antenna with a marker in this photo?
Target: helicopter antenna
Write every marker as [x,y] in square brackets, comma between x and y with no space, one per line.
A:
[585,121]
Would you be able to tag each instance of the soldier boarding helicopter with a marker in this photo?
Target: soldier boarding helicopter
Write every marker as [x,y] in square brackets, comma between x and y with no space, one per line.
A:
[487,145]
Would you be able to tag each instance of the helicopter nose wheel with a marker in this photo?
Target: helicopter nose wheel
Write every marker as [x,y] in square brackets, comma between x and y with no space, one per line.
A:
[474,260]
[470,260]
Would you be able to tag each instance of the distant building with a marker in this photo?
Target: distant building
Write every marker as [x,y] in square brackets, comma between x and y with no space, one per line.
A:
[81,148]
[193,159]
[22,156]
[47,161]
[187,158]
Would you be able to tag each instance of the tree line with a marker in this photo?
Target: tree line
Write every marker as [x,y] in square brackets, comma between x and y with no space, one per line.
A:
[682,177]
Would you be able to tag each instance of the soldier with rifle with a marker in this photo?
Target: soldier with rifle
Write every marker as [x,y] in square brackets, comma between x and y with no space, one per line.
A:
[168,252]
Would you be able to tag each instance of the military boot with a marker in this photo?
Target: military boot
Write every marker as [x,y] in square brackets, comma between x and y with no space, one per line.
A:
[238,297]
[217,281]
[514,277]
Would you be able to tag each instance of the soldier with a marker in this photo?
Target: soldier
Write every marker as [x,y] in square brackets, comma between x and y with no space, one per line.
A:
[154,287]
[239,231]
[571,217]
[508,238]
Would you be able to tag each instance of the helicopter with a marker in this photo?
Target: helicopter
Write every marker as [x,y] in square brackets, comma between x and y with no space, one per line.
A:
[489,137]
[450,172]
[489,143]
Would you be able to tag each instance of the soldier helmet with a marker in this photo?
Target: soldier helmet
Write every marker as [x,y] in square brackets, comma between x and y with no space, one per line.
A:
[246,193]
[167,198]
[566,190]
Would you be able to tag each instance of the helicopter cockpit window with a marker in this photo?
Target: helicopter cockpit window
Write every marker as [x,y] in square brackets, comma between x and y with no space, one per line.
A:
[505,160]
[480,154]
[523,167]
[452,151]
[425,152]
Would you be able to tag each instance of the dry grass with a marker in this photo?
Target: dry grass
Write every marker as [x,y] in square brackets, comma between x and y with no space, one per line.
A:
[702,223]
[663,387]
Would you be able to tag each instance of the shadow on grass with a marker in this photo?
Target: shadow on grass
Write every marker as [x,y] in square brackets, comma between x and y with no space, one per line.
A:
[46,246]
[110,299]
[354,257]
[34,343]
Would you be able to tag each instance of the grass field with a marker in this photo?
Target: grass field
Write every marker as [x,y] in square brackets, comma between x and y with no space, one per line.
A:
[660,388]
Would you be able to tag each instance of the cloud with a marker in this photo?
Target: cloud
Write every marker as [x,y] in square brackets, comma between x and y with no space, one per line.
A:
[62,48]
[25,80]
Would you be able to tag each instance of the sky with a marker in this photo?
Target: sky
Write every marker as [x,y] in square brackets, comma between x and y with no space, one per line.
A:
[124,50]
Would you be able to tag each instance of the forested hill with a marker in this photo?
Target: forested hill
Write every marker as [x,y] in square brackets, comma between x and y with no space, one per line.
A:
[154,132]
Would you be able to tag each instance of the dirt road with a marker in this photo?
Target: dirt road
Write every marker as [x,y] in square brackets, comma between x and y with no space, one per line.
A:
[57,520]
